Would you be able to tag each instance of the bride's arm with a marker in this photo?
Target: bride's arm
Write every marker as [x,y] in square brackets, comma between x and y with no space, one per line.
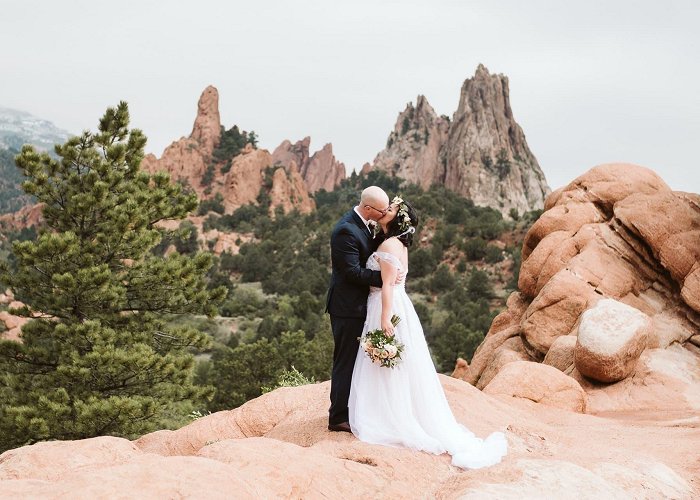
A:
[389,273]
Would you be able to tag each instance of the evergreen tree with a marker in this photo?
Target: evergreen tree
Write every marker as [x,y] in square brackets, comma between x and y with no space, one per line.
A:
[97,358]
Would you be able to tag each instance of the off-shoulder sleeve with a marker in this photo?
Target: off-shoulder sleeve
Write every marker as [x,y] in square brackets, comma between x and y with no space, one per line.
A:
[391,259]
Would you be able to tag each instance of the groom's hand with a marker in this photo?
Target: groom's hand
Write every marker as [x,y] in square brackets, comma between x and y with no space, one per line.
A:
[400,277]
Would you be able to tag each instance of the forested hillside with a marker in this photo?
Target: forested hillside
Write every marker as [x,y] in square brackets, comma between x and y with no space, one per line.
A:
[460,270]
[12,198]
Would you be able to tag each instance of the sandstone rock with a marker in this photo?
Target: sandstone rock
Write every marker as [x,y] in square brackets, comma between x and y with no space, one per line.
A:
[561,353]
[278,446]
[664,389]
[481,154]
[27,216]
[51,460]
[484,354]
[539,383]
[569,217]
[287,153]
[320,171]
[190,158]
[611,338]
[606,184]
[691,288]
[13,324]
[551,256]
[323,171]
[482,129]
[672,232]
[509,351]
[245,178]
[183,161]
[414,146]
[289,192]
[555,311]
[516,305]
[461,370]
[207,126]
[616,232]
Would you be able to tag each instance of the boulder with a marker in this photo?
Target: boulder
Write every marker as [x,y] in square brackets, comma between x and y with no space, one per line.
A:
[555,311]
[561,353]
[619,233]
[611,337]
[539,383]
[511,350]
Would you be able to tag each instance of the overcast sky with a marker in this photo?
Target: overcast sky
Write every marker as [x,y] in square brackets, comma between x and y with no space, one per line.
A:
[591,82]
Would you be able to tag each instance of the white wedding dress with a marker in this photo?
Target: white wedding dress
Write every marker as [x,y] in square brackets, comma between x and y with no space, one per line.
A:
[406,405]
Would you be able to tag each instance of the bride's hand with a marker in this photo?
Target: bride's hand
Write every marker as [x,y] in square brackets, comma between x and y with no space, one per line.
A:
[388,327]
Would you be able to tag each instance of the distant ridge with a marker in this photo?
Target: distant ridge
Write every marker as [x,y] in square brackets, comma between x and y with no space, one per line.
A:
[20,127]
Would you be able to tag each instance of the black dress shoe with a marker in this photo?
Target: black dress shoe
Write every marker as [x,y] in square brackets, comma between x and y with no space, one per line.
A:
[342,427]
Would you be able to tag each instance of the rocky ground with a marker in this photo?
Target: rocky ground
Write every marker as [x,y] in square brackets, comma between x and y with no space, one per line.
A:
[592,372]
[277,446]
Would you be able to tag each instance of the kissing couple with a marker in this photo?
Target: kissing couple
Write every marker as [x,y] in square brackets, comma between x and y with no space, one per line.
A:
[404,405]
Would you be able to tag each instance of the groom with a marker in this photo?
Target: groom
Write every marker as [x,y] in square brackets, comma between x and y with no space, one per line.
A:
[351,245]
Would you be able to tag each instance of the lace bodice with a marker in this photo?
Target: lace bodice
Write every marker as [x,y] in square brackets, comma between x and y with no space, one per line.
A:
[373,264]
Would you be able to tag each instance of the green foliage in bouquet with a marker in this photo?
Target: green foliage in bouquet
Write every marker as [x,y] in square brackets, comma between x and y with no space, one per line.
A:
[97,358]
[382,348]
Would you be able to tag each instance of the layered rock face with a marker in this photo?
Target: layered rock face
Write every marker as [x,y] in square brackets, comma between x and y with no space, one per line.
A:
[414,146]
[189,158]
[609,294]
[481,154]
[277,446]
[320,171]
[27,216]
[10,325]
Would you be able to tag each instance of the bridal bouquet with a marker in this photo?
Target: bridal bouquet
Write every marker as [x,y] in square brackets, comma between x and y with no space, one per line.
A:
[381,348]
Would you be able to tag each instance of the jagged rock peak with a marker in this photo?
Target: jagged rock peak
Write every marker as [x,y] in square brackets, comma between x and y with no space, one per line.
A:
[189,159]
[323,171]
[320,171]
[207,126]
[481,154]
[413,147]
[286,153]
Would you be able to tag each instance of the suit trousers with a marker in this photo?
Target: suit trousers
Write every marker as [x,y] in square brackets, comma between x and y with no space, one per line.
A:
[345,334]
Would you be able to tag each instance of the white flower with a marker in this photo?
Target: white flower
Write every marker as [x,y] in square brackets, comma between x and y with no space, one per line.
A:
[391,350]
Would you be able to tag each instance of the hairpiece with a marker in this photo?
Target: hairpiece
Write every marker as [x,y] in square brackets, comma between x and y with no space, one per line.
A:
[402,215]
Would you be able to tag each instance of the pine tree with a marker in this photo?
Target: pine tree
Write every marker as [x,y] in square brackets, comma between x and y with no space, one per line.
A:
[97,358]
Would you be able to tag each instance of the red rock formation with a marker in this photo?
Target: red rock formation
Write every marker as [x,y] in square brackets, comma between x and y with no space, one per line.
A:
[287,153]
[323,171]
[207,126]
[189,159]
[617,232]
[553,453]
[481,154]
[27,216]
[320,171]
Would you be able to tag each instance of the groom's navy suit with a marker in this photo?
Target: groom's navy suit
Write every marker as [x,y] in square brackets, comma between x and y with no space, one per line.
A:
[351,246]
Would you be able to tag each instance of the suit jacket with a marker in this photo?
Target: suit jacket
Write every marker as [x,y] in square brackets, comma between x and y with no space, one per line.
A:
[351,246]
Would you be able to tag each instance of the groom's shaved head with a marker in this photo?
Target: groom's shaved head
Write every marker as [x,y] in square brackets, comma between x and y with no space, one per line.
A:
[374,195]
[373,203]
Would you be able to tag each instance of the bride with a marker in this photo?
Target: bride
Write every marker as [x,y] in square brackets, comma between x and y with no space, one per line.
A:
[406,405]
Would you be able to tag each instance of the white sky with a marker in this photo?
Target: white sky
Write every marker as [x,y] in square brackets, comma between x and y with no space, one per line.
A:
[591,81]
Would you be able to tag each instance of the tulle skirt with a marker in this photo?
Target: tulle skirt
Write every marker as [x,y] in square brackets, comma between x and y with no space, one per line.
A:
[406,405]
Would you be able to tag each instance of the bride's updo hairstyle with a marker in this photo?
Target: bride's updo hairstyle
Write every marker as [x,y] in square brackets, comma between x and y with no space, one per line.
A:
[404,224]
